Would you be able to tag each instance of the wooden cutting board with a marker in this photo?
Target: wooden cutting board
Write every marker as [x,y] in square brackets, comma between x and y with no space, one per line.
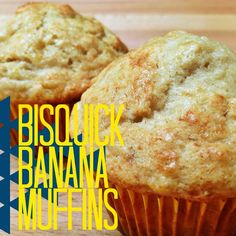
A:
[135,21]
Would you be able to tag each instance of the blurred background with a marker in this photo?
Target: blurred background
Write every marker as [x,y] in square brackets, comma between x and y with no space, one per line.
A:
[135,21]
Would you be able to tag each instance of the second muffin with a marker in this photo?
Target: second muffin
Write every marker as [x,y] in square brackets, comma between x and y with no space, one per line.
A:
[50,54]
[176,173]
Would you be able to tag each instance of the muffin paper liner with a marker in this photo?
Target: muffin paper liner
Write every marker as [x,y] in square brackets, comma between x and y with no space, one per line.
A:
[142,214]
[49,118]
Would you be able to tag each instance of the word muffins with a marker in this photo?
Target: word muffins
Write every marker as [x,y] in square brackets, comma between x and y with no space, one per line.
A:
[50,54]
[176,172]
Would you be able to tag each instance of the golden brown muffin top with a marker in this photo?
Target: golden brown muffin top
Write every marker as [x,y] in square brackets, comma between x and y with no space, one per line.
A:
[50,53]
[179,120]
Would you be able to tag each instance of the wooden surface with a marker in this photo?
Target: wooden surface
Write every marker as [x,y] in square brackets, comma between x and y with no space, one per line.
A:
[135,21]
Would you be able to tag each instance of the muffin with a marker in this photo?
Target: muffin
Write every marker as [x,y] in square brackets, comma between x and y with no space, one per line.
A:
[176,173]
[50,54]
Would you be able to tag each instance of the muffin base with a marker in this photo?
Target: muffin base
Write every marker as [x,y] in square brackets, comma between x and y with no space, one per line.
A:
[142,214]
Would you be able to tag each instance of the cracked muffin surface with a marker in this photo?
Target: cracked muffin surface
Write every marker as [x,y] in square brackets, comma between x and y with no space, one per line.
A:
[50,53]
[179,118]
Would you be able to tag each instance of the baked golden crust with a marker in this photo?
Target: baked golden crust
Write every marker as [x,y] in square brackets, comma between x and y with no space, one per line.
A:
[50,53]
[179,120]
